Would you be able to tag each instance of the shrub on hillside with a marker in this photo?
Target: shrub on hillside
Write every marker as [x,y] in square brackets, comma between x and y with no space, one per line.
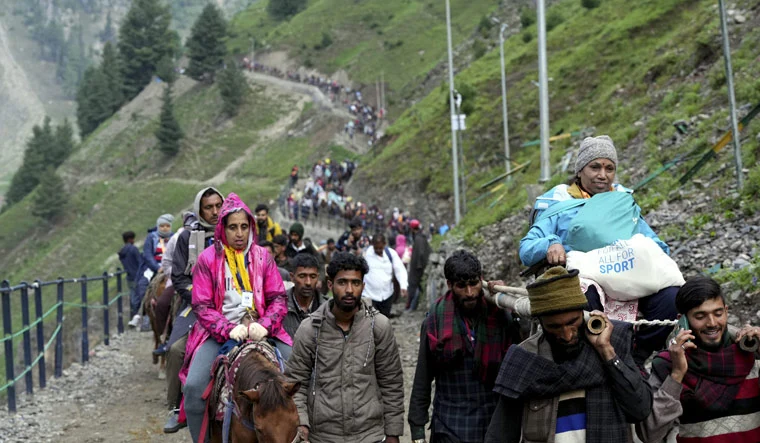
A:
[284,9]
[527,37]
[527,17]
[590,4]
[553,19]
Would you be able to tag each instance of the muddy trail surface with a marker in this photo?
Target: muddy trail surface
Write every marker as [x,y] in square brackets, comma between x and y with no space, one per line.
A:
[117,396]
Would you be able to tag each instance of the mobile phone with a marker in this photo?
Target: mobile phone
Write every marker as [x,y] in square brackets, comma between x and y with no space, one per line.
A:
[683,323]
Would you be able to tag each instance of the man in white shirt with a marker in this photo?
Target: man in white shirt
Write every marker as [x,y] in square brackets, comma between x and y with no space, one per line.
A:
[384,264]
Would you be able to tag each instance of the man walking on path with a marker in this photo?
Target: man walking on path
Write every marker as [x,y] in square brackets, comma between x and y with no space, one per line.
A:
[267,228]
[190,244]
[706,386]
[564,384]
[462,343]
[384,265]
[303,298]
[354,240]
[420,255]
[346,358]
[129,256]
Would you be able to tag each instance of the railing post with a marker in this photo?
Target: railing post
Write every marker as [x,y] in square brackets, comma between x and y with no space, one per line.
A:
[7,330]
[28,376]
[40,332]
[58,367]
[119,308]
[85,338]
[106,329]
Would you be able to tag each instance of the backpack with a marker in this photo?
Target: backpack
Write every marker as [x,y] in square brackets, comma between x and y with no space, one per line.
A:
[602,220]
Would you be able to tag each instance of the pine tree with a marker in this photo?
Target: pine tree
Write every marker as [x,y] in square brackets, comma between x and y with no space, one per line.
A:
[233,88]
[36,158]
[50,199]
[144,39]
[205,46]
[63,144]
[168,133]
[110,67]
[108,34]
[94,101]
[283,9]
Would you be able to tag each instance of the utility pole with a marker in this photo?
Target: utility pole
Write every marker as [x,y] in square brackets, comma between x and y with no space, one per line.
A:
[731,96]
[454,118]
[507,155]
[543,93]
[382,91]
[460,137]
[377,95]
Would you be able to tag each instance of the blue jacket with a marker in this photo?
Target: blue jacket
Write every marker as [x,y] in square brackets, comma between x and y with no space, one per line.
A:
[149,252]
[129,256]
[553,229]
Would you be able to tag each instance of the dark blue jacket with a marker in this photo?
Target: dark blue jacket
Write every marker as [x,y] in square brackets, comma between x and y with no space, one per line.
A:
[130,259]
[149,252]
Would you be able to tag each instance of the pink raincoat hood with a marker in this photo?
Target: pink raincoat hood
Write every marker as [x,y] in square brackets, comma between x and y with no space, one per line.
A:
[232,204]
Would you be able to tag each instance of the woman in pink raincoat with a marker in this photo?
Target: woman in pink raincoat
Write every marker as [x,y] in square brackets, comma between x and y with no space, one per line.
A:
[234,282]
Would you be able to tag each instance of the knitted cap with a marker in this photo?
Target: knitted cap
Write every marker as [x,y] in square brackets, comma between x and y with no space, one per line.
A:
[557,290]
[593,148]
[297,228]
[166,219]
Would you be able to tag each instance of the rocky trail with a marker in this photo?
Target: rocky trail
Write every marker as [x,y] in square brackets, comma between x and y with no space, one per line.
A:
[117,396]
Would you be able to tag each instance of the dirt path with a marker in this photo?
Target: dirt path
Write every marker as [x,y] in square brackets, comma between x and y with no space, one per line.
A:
[21,109]
[117,396]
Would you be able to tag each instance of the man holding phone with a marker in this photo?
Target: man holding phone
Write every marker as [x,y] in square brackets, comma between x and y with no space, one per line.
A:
[564,383]
[706,386]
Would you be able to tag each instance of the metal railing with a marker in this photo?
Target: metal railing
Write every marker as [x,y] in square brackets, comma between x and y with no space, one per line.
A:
[56,337]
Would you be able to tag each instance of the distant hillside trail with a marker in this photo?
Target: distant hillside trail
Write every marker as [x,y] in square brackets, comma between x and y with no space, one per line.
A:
[22,110]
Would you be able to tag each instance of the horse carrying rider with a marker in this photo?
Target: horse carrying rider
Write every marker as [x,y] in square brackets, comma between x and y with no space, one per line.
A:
[550,237]
[233,282]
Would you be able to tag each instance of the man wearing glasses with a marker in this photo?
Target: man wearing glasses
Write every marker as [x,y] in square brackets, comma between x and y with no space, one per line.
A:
[462,343]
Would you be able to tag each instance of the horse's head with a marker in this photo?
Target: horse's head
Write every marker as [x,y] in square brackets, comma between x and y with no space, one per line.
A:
[275,416]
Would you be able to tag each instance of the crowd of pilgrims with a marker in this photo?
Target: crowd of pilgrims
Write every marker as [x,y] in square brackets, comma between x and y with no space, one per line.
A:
[497,377]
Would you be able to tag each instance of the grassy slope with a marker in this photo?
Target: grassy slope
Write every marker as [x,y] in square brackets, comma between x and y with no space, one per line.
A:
[113,189]
[403,38]
[611,66]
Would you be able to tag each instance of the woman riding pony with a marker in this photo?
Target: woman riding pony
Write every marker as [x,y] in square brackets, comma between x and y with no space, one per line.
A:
[556,210]
[238,294]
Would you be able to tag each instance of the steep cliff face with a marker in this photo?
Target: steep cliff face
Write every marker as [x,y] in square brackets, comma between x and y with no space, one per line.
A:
[29,89]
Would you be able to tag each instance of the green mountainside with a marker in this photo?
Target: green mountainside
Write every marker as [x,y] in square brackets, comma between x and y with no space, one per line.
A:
[627,69]
[404,39]
[119,180]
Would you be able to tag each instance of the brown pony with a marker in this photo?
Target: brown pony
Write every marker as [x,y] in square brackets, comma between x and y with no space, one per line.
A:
[155,289]
[263,397]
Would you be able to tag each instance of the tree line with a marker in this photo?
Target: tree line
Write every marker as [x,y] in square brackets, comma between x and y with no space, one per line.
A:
[146,48]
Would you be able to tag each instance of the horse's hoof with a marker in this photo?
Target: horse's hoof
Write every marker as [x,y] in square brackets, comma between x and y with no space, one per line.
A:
[161,374]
